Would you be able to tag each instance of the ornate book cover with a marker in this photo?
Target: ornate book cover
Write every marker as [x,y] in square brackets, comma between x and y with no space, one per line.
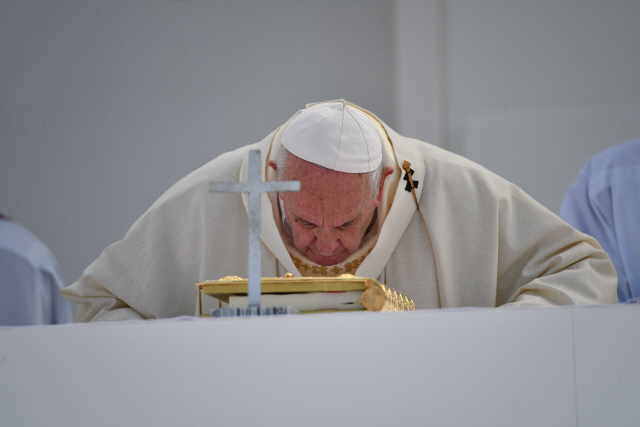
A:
[309,294]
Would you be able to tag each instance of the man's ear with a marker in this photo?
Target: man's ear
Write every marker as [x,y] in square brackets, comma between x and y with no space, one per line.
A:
[386,171]
[272,163]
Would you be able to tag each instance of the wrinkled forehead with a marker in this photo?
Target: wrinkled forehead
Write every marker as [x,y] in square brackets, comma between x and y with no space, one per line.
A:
[321,185]
[329,205]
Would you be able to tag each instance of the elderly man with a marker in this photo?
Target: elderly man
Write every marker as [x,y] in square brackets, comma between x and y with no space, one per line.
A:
[441,229]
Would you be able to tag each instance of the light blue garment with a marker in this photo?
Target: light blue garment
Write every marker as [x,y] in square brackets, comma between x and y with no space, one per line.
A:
[604,202]
[30,280]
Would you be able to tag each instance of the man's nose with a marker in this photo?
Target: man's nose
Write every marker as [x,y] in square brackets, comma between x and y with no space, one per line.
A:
[326,243]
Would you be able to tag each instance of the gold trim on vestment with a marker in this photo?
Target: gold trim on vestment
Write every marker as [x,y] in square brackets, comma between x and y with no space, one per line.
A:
[349,267]
[323,270]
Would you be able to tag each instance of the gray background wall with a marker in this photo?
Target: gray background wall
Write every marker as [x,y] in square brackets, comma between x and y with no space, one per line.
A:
[105,104]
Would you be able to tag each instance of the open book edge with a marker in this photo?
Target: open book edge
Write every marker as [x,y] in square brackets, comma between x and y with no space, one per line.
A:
[305,302]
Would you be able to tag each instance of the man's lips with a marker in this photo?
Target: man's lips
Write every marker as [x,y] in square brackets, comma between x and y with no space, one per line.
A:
[325,259]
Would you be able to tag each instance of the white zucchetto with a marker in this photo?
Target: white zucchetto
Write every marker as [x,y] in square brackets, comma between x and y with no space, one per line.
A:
[336,136]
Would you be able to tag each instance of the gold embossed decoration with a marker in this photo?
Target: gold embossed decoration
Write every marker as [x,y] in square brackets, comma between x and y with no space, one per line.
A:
[375,295]
[310,269]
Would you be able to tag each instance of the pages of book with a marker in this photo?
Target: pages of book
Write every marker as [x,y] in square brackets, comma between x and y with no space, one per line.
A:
[311,301]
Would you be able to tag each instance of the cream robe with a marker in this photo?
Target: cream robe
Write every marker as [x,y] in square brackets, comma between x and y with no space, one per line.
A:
[477,240]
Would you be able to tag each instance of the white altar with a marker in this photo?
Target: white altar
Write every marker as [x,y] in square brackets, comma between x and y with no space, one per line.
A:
[568,366]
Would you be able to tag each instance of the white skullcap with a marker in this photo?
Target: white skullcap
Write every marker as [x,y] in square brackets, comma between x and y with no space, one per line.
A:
[336,136]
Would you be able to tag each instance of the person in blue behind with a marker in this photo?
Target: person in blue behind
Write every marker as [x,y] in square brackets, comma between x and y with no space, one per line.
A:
[30,281]
[604,202]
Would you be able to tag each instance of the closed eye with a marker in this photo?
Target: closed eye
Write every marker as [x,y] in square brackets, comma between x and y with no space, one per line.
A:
[309,225]
[306,224]
[345,225]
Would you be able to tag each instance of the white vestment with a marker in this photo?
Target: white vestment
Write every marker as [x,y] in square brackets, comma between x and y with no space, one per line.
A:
[477,240]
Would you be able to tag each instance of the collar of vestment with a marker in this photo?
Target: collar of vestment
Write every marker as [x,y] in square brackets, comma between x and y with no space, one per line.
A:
[393,214]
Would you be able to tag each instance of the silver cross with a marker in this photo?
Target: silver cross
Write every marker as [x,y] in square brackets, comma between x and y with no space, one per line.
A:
[255,187]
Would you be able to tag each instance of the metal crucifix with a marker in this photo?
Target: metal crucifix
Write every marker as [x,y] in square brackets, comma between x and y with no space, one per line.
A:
[255,187]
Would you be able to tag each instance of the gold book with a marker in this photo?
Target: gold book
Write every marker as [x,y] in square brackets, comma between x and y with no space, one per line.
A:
[344,292]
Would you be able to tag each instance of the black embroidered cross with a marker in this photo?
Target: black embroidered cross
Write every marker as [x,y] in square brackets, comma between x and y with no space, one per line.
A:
[411,184]
[406,178]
